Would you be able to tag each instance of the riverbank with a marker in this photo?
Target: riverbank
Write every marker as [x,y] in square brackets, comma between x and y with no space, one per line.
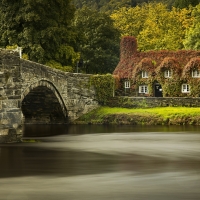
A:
[142,116]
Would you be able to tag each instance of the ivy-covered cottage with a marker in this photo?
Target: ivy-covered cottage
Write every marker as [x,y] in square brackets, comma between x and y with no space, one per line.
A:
[157,73]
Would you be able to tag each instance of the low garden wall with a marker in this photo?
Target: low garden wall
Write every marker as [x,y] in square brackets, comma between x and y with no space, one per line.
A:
[145,102]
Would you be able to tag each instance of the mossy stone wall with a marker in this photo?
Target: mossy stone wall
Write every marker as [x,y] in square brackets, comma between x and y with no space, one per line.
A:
[150,102]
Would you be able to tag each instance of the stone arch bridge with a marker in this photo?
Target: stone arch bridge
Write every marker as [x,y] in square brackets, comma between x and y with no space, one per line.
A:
[35,93]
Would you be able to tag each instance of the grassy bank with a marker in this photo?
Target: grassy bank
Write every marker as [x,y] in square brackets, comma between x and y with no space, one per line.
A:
[141,116]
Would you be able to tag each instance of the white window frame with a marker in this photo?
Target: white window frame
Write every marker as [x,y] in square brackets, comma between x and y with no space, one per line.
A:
[144,74]
[143,89]
[195,73]
[127,84]
[185,88]
[168,73]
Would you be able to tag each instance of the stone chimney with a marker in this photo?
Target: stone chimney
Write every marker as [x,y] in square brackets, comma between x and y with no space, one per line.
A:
[128,47]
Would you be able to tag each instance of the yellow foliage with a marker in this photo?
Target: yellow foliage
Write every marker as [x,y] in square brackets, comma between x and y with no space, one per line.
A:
[154,25]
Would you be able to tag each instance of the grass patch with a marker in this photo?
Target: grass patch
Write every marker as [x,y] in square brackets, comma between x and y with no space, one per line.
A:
[159,115]
[163,111]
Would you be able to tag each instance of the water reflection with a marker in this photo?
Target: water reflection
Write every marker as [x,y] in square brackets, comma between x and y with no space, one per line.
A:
[30,161]
[48,130]
[102,162]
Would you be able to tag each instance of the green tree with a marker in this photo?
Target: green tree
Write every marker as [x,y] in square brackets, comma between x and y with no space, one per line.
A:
[97,41]
[192,38]
[185,3]
[40,27]
[107,5]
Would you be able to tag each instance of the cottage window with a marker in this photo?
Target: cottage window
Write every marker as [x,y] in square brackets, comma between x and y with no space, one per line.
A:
[195,73]
[144,74]
[185,88]
[168,74]
[127,84]
[143,89]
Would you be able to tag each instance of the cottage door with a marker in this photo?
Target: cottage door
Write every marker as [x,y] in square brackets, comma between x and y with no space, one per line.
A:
[158,90]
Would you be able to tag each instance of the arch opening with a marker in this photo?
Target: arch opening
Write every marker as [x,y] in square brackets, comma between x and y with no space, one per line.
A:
[41,106]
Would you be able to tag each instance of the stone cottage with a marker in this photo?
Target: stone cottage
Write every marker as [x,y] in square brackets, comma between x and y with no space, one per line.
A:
[161,73]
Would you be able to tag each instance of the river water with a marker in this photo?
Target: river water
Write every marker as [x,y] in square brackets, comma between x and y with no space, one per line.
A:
[88,162]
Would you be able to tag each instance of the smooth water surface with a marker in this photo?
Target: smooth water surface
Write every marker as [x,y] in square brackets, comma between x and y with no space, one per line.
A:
[90,162]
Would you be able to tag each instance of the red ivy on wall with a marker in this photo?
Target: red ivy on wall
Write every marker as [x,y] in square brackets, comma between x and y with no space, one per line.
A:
[193,64]
[131,59]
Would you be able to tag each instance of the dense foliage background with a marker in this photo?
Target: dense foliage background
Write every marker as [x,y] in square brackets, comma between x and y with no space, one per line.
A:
[40,27]
[67,34]
[97,40]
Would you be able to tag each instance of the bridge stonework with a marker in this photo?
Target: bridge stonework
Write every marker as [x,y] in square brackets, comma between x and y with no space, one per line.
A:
[37,94]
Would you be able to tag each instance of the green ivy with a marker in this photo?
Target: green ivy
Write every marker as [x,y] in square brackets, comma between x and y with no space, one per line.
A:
[171,89]
[104,86]
[194,87]
[56,65]
[171,86]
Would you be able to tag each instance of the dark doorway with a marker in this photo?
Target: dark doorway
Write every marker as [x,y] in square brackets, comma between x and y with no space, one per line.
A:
[158,90]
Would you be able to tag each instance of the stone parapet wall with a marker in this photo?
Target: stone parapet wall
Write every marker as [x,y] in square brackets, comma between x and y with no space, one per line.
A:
[145,102]
[10,96]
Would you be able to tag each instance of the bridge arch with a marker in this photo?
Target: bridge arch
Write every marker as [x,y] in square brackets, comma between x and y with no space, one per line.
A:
[42,103]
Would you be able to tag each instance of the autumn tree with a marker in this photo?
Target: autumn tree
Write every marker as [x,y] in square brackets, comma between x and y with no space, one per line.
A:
[154,25]
[129,21]
[40,27]
[192,38]
[97,41]
[164,29]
